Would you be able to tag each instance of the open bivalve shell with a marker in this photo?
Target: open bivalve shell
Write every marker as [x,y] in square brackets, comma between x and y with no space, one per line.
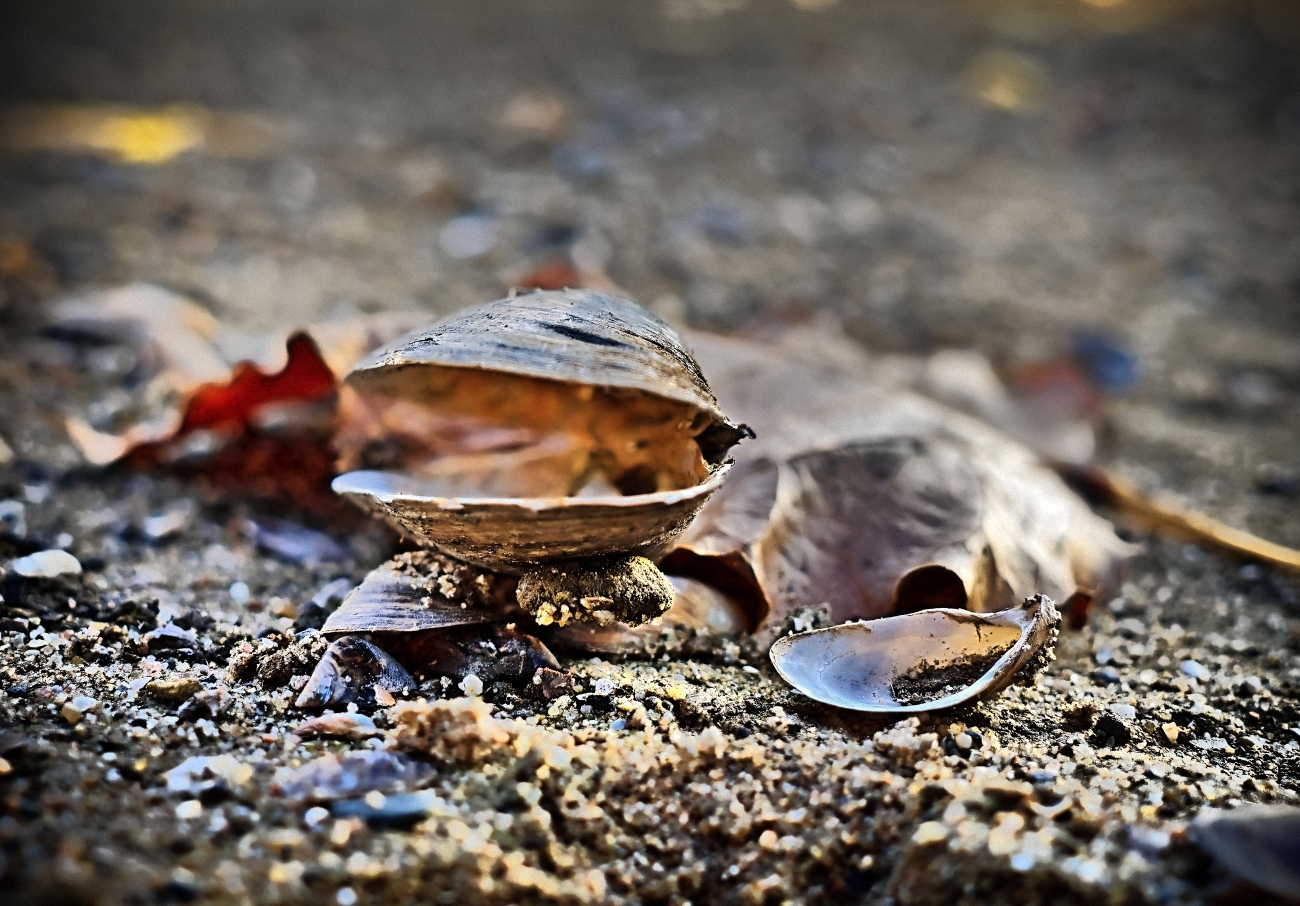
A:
[923,661]
[540,428]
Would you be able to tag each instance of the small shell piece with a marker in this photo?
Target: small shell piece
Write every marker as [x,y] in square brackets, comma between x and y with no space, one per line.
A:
[922,661]
[422,590]
[355,671]
[544,427]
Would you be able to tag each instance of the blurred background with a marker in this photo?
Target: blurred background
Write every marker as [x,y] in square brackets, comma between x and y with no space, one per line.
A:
[1111,182]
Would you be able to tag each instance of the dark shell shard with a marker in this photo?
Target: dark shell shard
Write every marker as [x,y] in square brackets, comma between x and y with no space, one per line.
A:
[511,534]
[496,652]
[403,595]
[398,811]
[351,774]
[354,671]
[1257,843]
[862,666]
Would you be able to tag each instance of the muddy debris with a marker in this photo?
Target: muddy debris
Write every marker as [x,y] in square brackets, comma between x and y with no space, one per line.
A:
[929,680]
[173,690]
[276,659]
[629,590]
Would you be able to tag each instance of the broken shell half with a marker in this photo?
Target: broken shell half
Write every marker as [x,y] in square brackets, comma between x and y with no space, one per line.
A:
[922,661]
[543,427]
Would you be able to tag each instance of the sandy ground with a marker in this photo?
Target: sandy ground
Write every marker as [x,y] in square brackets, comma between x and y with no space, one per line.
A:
[994,176]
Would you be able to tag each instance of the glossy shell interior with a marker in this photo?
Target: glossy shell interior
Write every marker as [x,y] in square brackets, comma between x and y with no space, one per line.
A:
[856,665]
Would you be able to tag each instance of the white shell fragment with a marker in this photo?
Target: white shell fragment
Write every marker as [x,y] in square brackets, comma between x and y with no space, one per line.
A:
[47,565]
[922,661]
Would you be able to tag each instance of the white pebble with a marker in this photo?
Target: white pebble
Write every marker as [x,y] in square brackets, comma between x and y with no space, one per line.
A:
[346,896]
[47,564]
[603,687]
[189,809]
[1195,670]
[468,236]
[315,816]
[471,685]
[240,593]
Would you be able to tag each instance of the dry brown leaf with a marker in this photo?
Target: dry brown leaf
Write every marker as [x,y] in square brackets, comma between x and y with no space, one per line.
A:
[864,499]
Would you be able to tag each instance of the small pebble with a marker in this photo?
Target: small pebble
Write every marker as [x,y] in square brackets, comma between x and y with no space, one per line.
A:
[240,593]
[1107,676]
[47,565]
[468,236]
[174,690]
[396,810]
[1195,670]
[189,809]
[346,896]
[170,637]
[471,685]
[78,708]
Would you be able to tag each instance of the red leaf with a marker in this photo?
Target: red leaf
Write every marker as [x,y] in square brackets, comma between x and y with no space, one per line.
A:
[557,274]
[305,377]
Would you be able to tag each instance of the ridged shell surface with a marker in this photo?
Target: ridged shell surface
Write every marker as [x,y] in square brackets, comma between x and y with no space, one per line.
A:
[510,534]
[576,336]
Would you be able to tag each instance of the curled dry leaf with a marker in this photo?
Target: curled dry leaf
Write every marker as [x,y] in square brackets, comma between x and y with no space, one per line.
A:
[917,662]
[870,500]
[254,413]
